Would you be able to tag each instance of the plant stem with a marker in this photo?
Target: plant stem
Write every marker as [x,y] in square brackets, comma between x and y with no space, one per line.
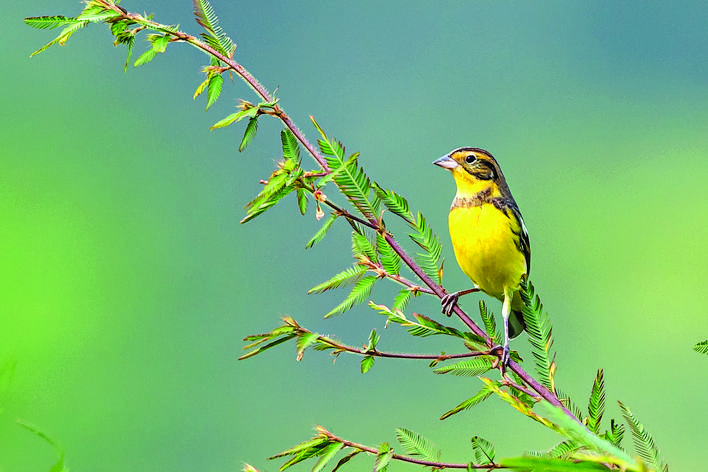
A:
[395,355]
[402,458]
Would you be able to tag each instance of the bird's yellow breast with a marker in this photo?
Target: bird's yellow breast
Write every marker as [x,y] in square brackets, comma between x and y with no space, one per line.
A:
[486,247]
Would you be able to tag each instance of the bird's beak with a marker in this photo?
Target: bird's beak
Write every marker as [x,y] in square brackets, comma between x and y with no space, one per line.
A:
[446,162]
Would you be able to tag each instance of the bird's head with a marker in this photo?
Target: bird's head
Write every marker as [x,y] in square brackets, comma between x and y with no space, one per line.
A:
[475,170]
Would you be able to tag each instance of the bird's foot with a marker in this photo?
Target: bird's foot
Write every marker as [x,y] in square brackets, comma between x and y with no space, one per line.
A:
[503,359]
[448,301]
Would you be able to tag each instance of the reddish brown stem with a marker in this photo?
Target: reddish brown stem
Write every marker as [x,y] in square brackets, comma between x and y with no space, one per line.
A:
[411,460]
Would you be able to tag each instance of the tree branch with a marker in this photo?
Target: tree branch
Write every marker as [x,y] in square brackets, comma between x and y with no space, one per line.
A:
[394,355]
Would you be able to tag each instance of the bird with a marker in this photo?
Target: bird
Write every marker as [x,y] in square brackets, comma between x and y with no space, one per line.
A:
[489,236]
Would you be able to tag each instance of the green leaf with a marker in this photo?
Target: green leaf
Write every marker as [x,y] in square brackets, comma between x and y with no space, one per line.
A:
[468,367]
[596,406]
[360,292]
[304,341]
[216,82]
[429,260]
[417,445]
[523,396]
[562,450]
[484,450]
[701,347]
[49,22]
[213,42]
[373,340]
[540,331]
[346,277]
[327,455]
[265,347]
[306,454]
[367,362]
[273,185]
[288,328]
[233,117]
[265,204]
[577,432]
[490,325]
[59,465]
[322,232]
[302,201]
[349,177]
[124,35]
[318,442]
[615,434]
[201,88]
[294,171]
[291,149]
[390,260]
[542,464]
[159,42]
[97,14]
[401,301]
[427,326]
[643,442]
[63,36]
[363,249]
[475,400]
[345,459]
[395,203]
[204,14]
[519,403]
[145,57]
[569,404]
[130,42]
[249,134]
[395,316]
[383,457]
[275,189]
[215,35]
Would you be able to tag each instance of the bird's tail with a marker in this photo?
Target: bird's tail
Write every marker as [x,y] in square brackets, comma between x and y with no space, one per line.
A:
[516,323]
[516,318]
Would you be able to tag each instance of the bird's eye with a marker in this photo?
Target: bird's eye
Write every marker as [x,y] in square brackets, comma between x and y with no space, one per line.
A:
[470,158]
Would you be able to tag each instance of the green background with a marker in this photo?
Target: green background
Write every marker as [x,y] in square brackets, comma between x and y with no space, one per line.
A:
[127,283]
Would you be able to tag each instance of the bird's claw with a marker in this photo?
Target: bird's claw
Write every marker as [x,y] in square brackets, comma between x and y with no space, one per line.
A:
[448,301]
[503,360]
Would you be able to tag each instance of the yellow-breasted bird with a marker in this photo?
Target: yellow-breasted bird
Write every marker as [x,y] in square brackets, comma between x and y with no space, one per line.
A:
[488,235]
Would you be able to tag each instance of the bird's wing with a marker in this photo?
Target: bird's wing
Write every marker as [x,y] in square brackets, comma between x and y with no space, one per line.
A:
[524,244]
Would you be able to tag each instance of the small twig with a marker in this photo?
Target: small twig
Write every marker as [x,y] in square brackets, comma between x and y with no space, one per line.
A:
[394,355]
[341,211]
[507,381]
[412,460]
[381,272]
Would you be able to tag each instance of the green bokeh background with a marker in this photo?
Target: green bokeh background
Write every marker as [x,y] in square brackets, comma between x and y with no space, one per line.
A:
[127,284]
